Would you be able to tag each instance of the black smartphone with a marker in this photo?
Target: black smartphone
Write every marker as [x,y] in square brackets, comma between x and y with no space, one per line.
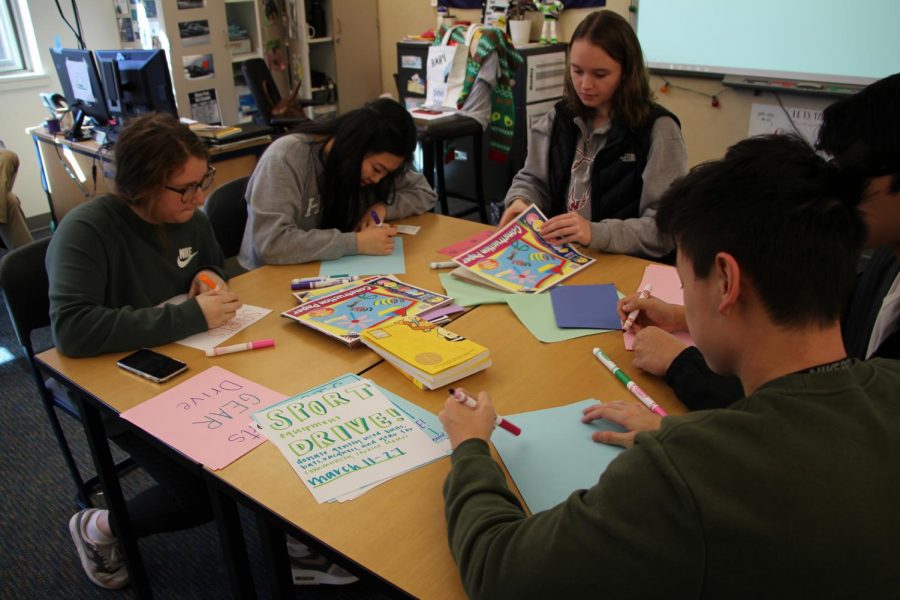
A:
[152,365]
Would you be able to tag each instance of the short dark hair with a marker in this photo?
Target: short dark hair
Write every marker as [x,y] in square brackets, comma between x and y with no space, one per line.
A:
[610,31]
[862,132]
[784,213]
[380,126]
[150,149]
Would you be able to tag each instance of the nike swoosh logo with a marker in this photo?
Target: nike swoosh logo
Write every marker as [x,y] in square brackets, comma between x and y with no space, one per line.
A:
[183,262]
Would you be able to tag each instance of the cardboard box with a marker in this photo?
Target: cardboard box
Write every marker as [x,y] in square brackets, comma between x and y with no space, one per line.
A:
[240,46]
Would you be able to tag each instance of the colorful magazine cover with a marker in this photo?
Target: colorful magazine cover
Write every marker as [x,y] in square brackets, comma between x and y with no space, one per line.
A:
[518,259]
[345,312]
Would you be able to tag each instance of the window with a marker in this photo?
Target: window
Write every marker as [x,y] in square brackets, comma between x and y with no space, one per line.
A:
[18,53]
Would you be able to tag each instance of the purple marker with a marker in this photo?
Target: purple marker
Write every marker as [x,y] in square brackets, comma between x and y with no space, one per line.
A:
[375,218]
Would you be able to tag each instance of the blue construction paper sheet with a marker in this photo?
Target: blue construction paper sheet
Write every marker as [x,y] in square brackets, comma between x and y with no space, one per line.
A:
[586,306]
[555,454]
[365,264]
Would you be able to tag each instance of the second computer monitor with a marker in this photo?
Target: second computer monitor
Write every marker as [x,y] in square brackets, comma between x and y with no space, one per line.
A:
[136,82]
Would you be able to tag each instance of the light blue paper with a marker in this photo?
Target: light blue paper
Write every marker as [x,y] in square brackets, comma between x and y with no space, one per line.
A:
[366,264]
[555,454]
[471,294]
[535,312]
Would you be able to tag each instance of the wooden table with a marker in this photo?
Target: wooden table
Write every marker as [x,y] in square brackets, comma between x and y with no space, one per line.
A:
[59,159]
[397,531]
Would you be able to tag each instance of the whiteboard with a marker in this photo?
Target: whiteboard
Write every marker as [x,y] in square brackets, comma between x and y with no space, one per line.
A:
[829,41]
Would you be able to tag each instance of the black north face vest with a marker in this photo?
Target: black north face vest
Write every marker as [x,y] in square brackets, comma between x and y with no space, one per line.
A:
[616,175]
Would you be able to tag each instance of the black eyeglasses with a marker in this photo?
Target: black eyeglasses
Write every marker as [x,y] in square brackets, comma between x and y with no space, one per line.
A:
[189,192]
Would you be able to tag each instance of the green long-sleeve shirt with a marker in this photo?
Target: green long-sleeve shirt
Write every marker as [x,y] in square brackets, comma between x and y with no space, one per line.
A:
[110,270]
[789,493]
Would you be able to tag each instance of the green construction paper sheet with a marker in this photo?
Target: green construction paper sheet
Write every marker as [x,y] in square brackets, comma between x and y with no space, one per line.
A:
[366,264]
[470,294]
[555,454]
[535,311]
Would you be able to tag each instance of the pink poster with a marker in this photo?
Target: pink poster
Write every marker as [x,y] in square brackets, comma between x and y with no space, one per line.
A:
[208,417]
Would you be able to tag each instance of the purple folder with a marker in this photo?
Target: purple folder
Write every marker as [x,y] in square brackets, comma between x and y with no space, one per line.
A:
[586,306]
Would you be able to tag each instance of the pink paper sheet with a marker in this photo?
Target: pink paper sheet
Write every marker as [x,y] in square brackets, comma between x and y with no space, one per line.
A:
[666,287]
[208,417]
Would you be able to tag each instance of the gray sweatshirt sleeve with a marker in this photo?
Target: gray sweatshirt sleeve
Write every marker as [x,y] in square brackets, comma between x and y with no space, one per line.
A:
[412,196]
[285,210]
[666,161]
[530,183]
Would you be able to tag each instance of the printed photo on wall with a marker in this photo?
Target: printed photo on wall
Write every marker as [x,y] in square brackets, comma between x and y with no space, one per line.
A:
[183,4]
[126,32]
[198,66]
[205,107]
[193,33]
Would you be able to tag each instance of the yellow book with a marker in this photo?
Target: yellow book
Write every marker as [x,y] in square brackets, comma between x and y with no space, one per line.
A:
[428,354]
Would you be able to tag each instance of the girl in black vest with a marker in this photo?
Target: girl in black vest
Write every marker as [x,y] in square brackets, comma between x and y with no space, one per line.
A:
[600,160]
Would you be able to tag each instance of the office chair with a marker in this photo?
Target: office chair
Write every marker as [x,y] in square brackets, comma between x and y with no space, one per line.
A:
[226,209]
[266,95]
[25,289]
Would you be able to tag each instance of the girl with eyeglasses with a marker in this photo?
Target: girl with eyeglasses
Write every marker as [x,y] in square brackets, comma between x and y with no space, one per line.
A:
[312,194]
[113,263]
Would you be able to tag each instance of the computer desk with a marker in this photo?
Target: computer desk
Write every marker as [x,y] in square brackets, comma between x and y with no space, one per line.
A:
[63,161]
[396,533]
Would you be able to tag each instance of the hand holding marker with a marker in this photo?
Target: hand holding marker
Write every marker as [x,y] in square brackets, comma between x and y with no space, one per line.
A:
[472,403]
[209,282]
[644,294]
[634,388]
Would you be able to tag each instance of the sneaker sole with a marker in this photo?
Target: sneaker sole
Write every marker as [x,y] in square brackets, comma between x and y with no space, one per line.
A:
[86,564]
[304,577]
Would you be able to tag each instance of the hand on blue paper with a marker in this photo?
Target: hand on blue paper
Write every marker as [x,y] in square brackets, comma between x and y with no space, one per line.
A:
[655,349]
[376,240]
[633,416]
[462,423]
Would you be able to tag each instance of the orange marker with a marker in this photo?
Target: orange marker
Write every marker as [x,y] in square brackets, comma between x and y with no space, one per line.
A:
[209,282]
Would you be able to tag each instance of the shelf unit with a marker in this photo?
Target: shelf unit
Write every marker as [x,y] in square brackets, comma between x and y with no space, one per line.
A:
[350,25]
[205,66]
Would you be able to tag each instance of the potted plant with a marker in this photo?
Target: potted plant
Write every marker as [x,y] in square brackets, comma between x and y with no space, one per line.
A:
[519,26]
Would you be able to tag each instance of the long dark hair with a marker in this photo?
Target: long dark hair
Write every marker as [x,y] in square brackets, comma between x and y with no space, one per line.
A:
[380,126]
[632,100]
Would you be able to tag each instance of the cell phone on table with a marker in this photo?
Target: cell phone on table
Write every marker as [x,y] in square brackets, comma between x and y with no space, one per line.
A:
[152,365]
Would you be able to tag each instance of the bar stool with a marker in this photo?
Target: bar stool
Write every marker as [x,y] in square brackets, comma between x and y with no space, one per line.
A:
[432,135]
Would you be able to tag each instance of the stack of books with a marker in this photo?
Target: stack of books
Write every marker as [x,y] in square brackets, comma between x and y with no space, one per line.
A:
[425,353]
[343,311]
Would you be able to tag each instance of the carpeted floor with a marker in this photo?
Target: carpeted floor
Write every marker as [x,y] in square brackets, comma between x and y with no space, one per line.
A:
[37,556]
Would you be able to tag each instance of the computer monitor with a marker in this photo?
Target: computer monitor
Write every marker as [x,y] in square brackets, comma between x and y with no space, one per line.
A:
[81,86]
[136,82]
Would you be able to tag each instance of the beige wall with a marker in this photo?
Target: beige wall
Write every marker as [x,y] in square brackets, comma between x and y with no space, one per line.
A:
[708,131]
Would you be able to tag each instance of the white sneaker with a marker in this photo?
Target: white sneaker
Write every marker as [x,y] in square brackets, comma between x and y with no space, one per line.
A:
[101,561]
[310,568]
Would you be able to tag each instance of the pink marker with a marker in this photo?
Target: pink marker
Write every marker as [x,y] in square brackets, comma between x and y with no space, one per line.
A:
[240,347]
[472,403]
[645,293]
